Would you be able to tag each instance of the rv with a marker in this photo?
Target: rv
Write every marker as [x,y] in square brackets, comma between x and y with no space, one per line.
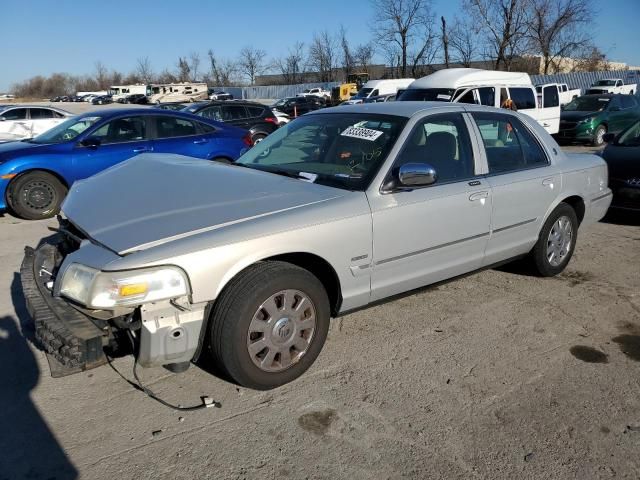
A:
[375,88]
[118,92]
[178,92]
[492,88]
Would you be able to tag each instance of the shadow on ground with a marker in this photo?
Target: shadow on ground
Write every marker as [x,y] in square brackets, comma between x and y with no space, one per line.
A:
[28,447]
[620,217]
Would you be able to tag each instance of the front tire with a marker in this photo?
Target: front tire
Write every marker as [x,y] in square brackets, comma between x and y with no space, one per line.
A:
[258,137]
[269,324]
[556,242]
[36,195]
[598,136]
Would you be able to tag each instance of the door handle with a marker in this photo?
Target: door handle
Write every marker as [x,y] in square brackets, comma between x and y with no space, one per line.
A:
[200,141]
[141,150]
[478,196]
[548,182]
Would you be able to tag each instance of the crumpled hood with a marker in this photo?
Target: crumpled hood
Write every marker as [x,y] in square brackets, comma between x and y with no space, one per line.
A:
[155,198]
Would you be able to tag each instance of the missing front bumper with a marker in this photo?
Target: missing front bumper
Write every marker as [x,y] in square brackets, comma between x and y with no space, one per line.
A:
[72,341]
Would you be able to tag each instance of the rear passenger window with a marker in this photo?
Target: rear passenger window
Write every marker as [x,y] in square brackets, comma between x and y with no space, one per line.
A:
[255,111]
[169,127]
[523,98]
[508,143]
[40,113]
[233,112]
[441,141]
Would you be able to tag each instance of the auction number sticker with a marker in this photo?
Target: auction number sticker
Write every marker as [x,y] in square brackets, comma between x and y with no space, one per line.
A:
[361,132]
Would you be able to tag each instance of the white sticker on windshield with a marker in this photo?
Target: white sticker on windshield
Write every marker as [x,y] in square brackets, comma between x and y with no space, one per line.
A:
[443,96]
[363,133]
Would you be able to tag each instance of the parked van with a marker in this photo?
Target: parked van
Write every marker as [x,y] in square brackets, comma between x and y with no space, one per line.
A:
[375,88]
[489,87]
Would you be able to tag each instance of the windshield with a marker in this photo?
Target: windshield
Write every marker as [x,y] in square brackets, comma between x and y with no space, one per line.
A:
[343,150]
[364,93]
[631,137]
[281,103]
[67,130]
[587,104]
[427,94]
[605,83]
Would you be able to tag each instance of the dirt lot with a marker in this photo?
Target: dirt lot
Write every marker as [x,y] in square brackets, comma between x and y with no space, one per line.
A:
[497,375]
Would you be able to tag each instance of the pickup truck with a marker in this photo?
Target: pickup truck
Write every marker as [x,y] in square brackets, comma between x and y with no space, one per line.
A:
[612,85]
[564,94]
[315,92]
[246,263]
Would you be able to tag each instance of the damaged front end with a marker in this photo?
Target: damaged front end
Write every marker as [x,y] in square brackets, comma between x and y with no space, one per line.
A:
[75,334]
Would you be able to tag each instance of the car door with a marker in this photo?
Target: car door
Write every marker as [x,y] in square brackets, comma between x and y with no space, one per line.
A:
[181,136]
[110,143]
[523,181]
[42,119]
[549,115]
[15,122]
[424,235]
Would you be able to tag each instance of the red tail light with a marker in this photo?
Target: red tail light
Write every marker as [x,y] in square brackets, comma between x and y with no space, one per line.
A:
[247,140]
[271,120]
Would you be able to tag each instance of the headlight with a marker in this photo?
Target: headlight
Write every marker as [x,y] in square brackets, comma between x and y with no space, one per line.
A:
[585,120]
[97,289]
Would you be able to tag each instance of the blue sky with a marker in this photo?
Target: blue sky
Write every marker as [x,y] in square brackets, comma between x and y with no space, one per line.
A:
[46,36]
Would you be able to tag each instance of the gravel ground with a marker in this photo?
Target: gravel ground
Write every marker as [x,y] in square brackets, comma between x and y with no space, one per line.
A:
[498,375]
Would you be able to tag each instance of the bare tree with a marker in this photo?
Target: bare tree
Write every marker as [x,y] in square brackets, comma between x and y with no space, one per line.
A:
[463,40]
[166,76]
[291,66]
[348,59]
[592,59]
[362,56]
[144,70]
[558,28]
[252,62]
[505,24]
[445,42]
[194,65]
[222,72]
[184,70]
[398,24]
[101,75]
[322,55]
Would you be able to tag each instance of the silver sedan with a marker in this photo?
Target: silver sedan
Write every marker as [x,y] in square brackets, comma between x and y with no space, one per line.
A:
[335,210]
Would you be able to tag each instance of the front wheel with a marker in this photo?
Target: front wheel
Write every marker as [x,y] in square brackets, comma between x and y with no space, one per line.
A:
[36,195]
[556,241]
[269,324]
[598,136]
[258,137]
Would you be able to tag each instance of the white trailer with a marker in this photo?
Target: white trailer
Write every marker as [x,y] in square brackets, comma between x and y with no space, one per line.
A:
[121,91]
[178,92]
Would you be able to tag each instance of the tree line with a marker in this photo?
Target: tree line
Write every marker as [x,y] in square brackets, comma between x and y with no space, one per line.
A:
[406,35]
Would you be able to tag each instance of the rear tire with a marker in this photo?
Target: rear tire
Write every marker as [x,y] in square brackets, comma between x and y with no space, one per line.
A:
[556,242]
[36,195]
[269,324]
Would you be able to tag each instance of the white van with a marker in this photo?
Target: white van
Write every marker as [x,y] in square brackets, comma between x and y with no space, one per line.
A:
[489,87]
[375,88]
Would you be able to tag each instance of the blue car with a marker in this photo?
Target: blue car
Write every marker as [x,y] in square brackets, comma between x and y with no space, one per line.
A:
[36,173]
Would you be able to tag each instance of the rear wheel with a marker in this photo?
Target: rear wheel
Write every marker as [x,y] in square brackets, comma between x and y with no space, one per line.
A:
[36,195]
[556,241]
[269,324]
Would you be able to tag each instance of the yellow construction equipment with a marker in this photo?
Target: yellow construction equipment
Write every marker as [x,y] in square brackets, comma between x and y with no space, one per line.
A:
[344,91]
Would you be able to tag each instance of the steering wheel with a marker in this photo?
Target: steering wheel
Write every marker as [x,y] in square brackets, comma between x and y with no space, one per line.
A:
[69,134]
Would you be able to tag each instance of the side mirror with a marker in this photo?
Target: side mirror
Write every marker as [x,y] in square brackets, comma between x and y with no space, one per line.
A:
[91,142]
[608,137]
[416,175]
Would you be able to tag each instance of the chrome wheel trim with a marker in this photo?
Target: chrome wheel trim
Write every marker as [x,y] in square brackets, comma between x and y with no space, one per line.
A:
[281,330]
[600,136]
[559,241]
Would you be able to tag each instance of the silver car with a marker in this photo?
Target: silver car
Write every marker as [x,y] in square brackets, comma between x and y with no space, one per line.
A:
[335,210]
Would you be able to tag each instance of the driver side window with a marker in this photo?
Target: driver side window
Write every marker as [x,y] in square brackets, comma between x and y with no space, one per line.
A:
[443,142]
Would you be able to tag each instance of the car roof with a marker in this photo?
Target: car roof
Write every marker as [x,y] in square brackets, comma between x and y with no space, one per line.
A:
[406,109]
[117,112]
[470,77]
